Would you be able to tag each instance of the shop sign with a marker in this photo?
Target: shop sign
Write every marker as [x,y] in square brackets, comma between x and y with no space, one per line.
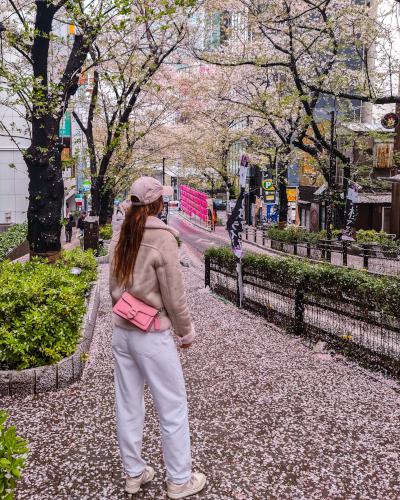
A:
[65,125]
[390,120]
[267,185]
[291,194]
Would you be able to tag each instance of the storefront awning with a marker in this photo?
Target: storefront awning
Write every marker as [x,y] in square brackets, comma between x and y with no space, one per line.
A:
[375,198]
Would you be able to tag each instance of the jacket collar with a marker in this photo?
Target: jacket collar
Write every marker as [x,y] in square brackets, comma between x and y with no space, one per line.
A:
[156,223]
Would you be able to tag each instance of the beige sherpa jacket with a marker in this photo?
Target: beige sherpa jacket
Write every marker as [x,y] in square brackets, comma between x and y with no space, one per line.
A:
[157,280]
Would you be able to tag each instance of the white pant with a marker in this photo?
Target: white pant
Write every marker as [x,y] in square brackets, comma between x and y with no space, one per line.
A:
[153,358]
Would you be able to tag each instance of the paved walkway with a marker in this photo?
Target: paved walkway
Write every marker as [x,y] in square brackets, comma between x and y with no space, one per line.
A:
[269,418]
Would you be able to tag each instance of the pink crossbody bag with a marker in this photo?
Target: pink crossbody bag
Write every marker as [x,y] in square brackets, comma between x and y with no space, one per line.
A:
[137,312]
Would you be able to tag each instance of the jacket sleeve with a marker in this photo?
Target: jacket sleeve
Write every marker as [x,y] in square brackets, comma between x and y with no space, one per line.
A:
[172,289]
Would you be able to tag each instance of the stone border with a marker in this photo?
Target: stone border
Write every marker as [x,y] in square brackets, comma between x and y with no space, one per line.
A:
[17,252]
[65,372]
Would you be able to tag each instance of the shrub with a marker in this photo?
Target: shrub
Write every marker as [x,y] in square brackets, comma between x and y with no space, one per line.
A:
[42,307]
[78,258]
[106,232]
[288,235]
[13,453]
[103,251]
[12,238]
[373,236]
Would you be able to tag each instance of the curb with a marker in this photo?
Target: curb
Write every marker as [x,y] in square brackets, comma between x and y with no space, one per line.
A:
[65,372]
[195,225]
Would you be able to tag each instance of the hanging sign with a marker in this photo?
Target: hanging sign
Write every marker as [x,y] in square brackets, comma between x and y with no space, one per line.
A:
[390,120]
[243,170]
[267,185]
[350,211]
[235,226]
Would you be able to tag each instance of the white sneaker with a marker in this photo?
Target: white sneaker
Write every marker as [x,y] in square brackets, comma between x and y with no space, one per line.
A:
[195,484]
[133,484]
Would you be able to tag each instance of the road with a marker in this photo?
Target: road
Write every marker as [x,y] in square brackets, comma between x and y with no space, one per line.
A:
[197,240]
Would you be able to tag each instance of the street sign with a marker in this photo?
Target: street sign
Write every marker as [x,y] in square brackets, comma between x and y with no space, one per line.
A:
[85,186]
[267,185]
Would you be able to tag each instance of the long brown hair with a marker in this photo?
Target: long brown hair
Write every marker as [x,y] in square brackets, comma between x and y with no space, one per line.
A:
[130,238]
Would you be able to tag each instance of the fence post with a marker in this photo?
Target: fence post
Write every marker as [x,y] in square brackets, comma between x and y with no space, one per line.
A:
[207,275]
[298,308]
[344,245]
[308,250]
[365,254]
[239,283]
[263,236]
[329,251]
[295,248]
[255,235]
[246,233]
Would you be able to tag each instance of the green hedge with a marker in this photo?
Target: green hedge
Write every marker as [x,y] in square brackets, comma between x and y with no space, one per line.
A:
[106,232]
[290,235]
[13,454]
[42,307]
[382,292]
[12,238]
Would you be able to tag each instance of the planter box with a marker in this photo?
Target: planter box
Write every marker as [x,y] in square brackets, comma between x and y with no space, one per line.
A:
[60,375]
[6,226]
[105,259]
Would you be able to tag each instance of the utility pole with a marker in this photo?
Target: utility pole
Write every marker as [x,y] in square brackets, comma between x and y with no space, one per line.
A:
[331,184]
[395,206]
[163,171]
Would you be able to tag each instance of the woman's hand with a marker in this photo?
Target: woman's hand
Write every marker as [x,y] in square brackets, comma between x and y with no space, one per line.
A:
[186,346]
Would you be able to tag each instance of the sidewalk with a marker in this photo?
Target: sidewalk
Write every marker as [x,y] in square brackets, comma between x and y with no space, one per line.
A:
[269,419]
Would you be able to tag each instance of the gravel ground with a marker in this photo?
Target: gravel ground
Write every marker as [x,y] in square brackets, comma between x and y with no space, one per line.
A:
[269,418]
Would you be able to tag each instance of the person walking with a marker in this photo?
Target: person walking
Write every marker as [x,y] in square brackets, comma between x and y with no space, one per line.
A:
[68,227]
[80,222]
[144,261]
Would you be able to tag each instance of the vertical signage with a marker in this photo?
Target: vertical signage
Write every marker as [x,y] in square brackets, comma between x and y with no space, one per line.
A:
[350,211]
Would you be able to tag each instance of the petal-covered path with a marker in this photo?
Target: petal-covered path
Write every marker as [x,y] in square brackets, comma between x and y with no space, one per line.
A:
[269,418]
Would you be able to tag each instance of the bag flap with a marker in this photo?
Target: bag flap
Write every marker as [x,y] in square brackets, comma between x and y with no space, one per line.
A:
[138,305]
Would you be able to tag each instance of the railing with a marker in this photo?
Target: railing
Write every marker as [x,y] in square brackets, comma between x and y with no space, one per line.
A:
[352,324]
[197,221]
[382,259]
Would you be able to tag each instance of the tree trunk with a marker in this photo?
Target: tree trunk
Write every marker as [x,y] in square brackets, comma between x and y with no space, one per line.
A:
[111,207]
[104,207]
[46,194]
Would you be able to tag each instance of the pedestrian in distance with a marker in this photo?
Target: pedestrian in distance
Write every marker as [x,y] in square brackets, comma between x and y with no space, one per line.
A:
[68,227]
[145,266]
[80,222]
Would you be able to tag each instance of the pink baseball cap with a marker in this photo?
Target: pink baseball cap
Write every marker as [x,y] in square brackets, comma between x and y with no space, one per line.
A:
[148,189]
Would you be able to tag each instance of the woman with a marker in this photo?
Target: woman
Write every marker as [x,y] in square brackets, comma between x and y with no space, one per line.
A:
[145,262]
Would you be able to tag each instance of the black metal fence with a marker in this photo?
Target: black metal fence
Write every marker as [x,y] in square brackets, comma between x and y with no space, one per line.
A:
[382,259]
[356,326]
